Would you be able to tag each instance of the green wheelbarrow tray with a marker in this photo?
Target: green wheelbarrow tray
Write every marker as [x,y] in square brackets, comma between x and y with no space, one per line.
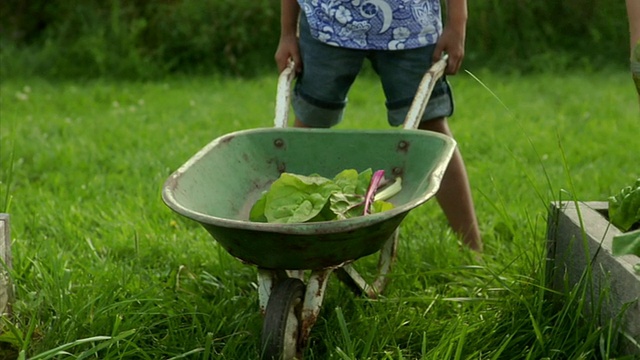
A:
[218,186]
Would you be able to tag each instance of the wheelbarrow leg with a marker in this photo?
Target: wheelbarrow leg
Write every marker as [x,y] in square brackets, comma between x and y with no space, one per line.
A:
[388,255]
[350,277]
[313,298]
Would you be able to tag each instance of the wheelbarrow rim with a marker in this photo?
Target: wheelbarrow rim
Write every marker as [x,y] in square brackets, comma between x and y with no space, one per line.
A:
[324,227]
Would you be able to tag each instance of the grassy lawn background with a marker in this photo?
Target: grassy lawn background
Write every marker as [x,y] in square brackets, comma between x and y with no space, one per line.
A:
[98,256]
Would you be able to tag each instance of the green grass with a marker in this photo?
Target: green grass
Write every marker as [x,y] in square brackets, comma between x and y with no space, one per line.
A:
[103,269]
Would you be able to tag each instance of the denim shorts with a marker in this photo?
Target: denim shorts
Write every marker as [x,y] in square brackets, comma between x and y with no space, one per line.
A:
[320,93]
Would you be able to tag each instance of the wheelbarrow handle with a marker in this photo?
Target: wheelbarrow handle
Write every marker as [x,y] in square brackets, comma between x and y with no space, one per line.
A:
[283,96]
[423,93]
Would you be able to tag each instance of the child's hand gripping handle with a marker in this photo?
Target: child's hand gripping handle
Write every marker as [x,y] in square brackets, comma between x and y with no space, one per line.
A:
[423,93]
[283,96]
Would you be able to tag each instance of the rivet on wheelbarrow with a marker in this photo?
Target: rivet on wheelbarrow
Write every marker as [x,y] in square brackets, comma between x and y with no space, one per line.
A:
[278,143]
[403,146]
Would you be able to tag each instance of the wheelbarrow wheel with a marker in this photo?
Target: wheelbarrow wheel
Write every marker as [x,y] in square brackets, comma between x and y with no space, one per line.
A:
[281,327]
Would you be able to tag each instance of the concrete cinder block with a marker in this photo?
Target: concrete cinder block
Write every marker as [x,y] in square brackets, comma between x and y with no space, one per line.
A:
[6,293]
[579,238]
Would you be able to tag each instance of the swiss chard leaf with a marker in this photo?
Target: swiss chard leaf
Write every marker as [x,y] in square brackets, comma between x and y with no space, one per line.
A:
[624,208]
[352,182]
[257,211]
[296,198]
[380,206]
[626,244]
[344,205]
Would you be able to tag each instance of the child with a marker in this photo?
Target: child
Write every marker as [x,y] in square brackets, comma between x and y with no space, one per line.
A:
[401,38]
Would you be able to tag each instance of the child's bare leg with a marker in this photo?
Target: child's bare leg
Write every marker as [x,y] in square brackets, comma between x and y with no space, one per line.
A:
[454,195]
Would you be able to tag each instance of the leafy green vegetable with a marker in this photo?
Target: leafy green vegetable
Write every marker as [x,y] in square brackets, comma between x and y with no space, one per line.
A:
[390,190]
[296,198]
[624,208]
[626,244]
[624,213]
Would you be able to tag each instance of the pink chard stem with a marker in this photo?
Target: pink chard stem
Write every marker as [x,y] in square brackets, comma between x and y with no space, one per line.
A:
[376,179]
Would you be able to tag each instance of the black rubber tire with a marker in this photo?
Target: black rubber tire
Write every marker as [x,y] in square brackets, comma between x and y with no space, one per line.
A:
[283,307]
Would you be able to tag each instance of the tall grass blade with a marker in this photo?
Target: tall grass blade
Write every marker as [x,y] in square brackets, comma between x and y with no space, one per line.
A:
[489,90]
[505,343]
[6,204]
[461,342]
[345,332]
[105,344]
[61,349]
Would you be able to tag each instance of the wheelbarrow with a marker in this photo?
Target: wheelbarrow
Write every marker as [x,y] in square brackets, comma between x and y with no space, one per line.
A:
[218,186]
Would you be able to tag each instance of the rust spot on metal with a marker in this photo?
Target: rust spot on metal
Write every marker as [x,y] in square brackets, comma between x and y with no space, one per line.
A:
[403,146]
[227,139]
[397,171]
[321,279]
[305,330]
[279,143]
[282,167]
[171,183]
[372,294]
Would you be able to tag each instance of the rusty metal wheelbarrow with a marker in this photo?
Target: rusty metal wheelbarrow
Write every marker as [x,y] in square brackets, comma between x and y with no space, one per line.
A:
[220,183]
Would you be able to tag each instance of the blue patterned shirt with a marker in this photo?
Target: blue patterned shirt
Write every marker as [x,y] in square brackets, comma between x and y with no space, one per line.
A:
[374,24]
